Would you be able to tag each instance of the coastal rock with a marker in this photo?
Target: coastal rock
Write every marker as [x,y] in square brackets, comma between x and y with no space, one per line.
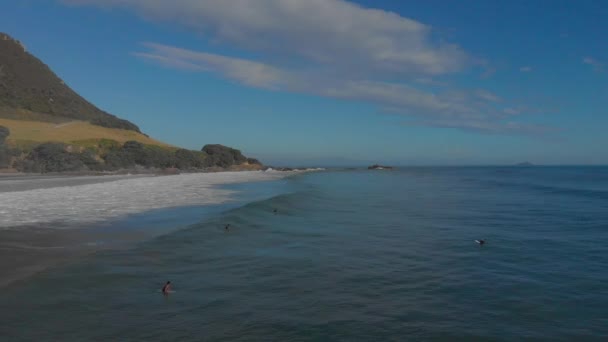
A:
[379,167]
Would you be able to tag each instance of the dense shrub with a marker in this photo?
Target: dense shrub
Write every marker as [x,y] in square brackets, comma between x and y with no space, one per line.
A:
[118,159]
[187,159]
[56,157]
[223,156]
[154,156]
[133,153]
[111,121]
[253,161]
[87,157]
[5,157]
[4,132]
[52,157]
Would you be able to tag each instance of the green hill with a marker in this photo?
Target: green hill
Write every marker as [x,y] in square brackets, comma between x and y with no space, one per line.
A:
[30,90]
[47,127]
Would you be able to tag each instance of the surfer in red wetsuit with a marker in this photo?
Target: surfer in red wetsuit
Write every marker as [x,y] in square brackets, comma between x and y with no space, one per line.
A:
[167,288]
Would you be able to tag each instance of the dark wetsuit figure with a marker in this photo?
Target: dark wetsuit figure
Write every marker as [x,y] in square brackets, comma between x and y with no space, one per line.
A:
[167,288]
[227,228]
[480,242]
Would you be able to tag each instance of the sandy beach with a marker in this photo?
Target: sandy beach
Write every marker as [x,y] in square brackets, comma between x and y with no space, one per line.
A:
[49,220]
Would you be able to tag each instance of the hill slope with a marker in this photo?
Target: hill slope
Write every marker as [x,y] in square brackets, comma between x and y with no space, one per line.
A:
[73,132]
[30,90]
[46,127]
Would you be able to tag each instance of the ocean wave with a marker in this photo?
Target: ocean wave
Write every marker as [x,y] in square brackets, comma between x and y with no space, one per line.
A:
[308,169]
[88,203]
[556,190]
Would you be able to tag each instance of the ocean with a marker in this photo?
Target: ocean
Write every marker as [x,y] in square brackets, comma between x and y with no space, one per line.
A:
[349,255]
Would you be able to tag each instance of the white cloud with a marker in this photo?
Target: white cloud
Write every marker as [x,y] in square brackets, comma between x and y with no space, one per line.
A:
[487,96]
[246,72]
[512,111]
[505,128]
[337,33]
[597,66]
[330,48]
[430,81]
[474,106]
[488,72]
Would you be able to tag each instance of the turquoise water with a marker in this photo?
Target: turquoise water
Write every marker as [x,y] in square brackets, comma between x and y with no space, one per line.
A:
[351,256]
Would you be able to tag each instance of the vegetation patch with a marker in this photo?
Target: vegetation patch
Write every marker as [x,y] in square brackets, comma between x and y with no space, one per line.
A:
[70,133]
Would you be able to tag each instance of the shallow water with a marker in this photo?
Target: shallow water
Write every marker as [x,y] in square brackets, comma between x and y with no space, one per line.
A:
[351,256]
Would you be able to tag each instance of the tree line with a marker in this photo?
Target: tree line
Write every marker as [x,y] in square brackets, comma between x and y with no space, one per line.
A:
[59,157]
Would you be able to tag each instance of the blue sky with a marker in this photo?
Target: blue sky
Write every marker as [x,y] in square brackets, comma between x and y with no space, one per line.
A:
[337,82]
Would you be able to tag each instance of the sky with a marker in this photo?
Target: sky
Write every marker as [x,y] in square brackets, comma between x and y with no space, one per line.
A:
[336,82]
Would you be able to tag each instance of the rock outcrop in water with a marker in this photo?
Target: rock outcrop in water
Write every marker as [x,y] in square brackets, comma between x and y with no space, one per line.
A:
[379,167]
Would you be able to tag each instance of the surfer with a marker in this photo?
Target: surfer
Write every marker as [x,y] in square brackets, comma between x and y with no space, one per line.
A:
[275,211]
[167,288]
[227,228]
[480,242]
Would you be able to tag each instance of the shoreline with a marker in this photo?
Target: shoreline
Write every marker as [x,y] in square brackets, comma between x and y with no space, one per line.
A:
[60,219]
[28,182]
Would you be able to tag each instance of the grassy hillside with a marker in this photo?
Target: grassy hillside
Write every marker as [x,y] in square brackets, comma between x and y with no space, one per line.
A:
[47,127]
[28,86]
[25,133]
[77,146]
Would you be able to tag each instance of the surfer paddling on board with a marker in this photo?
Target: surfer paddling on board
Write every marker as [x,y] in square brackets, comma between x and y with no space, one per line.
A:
[480,242]
[167,288]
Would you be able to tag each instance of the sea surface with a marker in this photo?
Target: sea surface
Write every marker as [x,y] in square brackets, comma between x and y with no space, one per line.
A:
[350,255]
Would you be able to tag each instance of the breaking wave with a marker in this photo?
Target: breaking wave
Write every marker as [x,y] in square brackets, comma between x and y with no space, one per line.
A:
[101,201]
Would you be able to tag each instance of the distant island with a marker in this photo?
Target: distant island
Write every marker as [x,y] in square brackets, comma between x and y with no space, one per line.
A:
[379,167]
[46,127]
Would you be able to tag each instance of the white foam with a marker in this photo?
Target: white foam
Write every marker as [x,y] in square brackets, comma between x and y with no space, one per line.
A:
[97,202]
